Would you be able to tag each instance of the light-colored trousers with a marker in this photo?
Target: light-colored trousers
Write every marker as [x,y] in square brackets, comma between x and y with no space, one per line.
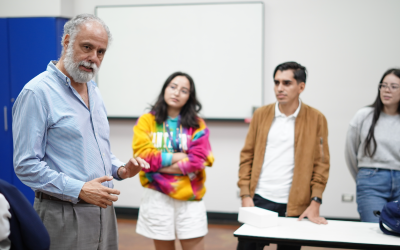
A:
[78,226]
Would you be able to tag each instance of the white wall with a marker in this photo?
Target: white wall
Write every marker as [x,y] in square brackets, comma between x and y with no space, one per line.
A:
[346,46]
[36,8]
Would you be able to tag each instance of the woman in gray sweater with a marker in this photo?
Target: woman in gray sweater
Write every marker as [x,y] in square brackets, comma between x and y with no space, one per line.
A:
[373,148]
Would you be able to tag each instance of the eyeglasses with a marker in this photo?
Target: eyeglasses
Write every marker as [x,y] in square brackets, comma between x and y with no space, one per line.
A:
[391,88]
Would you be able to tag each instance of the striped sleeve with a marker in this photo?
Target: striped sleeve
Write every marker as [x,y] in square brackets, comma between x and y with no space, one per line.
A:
[31,141]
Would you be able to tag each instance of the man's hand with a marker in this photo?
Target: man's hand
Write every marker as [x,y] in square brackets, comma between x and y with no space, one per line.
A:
[95,193]
[133,167]
[312,213]
[247,202]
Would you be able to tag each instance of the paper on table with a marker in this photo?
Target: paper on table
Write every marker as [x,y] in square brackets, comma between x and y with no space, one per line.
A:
[258,217]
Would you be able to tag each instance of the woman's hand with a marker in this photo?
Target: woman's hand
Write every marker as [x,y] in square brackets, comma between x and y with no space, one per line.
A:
[178,156]
[173,169]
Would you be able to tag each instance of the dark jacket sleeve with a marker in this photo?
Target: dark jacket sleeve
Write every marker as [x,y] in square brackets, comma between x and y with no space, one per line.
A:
[27,230]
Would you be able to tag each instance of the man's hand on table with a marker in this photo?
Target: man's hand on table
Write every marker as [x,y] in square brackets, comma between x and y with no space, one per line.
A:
[312,213]
[95,193]
[133,167]
[247,201]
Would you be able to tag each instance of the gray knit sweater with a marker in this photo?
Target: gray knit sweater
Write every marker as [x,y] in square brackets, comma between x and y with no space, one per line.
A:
[387,136]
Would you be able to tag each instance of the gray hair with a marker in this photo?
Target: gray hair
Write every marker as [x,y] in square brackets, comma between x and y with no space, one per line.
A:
[72,27]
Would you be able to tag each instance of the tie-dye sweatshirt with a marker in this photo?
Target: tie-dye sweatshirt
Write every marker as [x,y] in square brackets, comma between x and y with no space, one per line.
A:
[149,142]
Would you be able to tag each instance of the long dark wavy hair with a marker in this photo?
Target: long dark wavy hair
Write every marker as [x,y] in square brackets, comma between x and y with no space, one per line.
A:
[189,111]
[378,107]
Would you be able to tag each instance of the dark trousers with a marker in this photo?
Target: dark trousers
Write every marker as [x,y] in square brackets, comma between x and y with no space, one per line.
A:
[270,205]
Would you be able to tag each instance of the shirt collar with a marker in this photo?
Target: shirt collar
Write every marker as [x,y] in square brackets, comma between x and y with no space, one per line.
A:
[278,113]
[51,67]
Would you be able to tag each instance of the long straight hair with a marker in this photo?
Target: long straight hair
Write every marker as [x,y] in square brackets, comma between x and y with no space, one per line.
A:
[189,117]
[378,107]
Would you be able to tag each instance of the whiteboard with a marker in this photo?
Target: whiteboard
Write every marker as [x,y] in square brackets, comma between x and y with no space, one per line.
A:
[219,45]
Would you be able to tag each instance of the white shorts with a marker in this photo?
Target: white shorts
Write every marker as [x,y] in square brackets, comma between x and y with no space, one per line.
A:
[162,217]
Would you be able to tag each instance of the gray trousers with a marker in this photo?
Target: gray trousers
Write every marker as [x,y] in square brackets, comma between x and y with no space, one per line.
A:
[78,226]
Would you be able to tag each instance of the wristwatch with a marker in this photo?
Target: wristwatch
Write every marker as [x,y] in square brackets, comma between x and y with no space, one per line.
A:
[317,199]
[123,165]
[245,195]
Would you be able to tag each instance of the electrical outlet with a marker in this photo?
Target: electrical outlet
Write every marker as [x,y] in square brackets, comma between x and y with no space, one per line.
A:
[347,198]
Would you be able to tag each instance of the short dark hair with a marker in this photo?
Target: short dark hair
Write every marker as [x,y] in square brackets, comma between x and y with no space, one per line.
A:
[189,117]
[299,71]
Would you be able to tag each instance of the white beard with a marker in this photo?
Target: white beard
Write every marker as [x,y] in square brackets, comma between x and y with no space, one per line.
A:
[73,70]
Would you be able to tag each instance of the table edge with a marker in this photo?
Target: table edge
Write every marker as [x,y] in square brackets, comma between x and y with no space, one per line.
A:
[316,243]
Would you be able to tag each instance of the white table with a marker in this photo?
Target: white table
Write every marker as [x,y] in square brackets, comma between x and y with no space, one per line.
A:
[337,234]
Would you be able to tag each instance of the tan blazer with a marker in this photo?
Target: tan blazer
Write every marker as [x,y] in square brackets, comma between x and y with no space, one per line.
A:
[311,156]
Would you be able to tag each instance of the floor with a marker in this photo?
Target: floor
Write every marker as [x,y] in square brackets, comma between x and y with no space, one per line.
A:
[219,237]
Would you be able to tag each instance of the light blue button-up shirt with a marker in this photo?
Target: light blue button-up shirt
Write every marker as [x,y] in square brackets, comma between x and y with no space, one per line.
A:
[59,144]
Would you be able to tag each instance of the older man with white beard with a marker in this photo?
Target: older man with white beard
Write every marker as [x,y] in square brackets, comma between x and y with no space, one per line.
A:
[61,143]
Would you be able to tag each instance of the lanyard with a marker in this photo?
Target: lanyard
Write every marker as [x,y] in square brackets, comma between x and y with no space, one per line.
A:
[174,143]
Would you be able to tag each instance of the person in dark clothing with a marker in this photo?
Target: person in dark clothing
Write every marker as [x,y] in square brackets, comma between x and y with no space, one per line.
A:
[26,229]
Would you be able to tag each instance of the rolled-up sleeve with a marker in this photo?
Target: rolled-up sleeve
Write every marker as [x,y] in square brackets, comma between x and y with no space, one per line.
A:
[30,124]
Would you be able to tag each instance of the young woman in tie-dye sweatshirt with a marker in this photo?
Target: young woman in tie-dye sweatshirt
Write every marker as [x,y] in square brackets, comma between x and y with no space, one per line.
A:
[175,142]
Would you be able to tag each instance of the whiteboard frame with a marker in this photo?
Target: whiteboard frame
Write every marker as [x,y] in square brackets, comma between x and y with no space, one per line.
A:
[215,3]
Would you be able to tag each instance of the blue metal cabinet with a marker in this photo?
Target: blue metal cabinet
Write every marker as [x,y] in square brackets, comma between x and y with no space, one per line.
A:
[6,172]
[33,43]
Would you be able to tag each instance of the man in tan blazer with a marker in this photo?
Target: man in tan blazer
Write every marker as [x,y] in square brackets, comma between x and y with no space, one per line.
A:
[284,164]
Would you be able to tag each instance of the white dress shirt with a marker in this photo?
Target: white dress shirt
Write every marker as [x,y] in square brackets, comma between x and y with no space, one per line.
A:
[277,171]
